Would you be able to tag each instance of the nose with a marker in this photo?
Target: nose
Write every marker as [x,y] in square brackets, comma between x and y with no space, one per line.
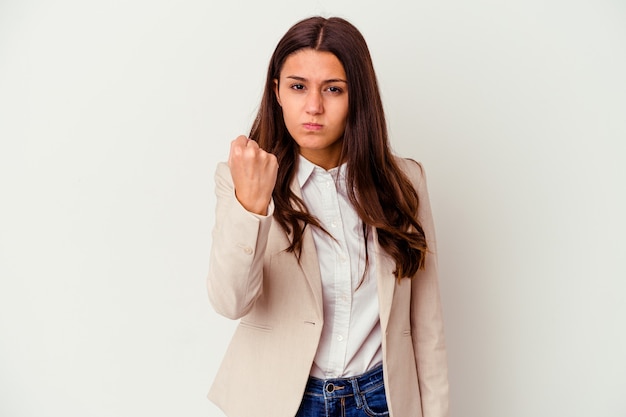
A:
[314,102]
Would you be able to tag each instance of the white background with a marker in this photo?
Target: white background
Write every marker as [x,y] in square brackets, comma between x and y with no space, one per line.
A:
[113,115]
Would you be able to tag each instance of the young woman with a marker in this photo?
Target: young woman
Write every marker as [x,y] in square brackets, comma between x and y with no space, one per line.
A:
[324,247]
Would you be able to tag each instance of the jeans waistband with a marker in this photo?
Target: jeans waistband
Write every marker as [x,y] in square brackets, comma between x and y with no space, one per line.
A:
[343,387]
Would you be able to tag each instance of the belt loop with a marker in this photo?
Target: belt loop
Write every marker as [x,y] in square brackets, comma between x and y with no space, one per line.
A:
[357,393]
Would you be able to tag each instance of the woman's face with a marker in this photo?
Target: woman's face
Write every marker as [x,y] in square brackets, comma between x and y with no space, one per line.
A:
[313,93]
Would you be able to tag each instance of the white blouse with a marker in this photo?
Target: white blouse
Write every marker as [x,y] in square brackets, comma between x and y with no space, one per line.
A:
[351,342]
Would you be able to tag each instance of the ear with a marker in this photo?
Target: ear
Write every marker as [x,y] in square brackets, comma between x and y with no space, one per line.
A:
[276,91]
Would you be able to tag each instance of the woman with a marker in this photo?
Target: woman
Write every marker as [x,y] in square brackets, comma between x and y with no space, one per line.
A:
[323,246]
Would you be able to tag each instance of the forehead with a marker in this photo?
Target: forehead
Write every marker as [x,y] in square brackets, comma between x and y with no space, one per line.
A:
[313,65]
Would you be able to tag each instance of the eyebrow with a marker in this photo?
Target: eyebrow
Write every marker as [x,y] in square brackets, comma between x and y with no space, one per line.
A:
[332,80]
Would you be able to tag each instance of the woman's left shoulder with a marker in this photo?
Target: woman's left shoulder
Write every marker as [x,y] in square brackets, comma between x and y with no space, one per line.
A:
[413,169]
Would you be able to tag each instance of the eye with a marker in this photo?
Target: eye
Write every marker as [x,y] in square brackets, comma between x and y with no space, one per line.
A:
[297,87]
[335,90]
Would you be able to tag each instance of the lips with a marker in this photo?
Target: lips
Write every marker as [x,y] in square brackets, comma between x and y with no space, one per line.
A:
[312,126]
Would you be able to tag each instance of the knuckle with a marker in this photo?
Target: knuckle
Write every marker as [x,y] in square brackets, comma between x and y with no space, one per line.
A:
[250,153]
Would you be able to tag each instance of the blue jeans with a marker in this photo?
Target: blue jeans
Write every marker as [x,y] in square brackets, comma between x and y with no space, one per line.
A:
[359,396]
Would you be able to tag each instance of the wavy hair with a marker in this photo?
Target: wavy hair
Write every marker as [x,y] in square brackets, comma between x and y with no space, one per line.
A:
[380,192]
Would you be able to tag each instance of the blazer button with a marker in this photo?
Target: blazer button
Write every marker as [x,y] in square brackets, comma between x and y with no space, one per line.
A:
[248,251]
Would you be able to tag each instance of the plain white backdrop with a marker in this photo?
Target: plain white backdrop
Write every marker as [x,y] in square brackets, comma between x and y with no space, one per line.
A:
[113,115]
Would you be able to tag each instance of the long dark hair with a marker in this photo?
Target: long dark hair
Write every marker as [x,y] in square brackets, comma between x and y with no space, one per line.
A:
[381,194]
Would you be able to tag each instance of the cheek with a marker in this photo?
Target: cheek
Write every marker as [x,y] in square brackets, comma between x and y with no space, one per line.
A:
[288,109]
[288,117]
[341,110]
[343,117]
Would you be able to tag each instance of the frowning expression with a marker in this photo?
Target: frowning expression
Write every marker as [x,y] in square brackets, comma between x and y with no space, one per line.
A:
[313,93]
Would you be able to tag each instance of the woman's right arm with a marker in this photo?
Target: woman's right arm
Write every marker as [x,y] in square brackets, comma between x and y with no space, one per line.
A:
[242,223]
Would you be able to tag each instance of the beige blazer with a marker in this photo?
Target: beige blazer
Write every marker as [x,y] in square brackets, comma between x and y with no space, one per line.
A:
[279,301]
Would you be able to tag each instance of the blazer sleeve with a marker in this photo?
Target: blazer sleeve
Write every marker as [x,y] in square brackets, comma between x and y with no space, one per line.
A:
[427,317]
[235,278]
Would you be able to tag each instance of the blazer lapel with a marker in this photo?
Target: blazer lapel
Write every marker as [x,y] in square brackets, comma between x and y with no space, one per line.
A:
[386,281]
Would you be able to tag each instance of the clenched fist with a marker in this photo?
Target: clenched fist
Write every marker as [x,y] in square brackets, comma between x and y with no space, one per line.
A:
[254,174]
